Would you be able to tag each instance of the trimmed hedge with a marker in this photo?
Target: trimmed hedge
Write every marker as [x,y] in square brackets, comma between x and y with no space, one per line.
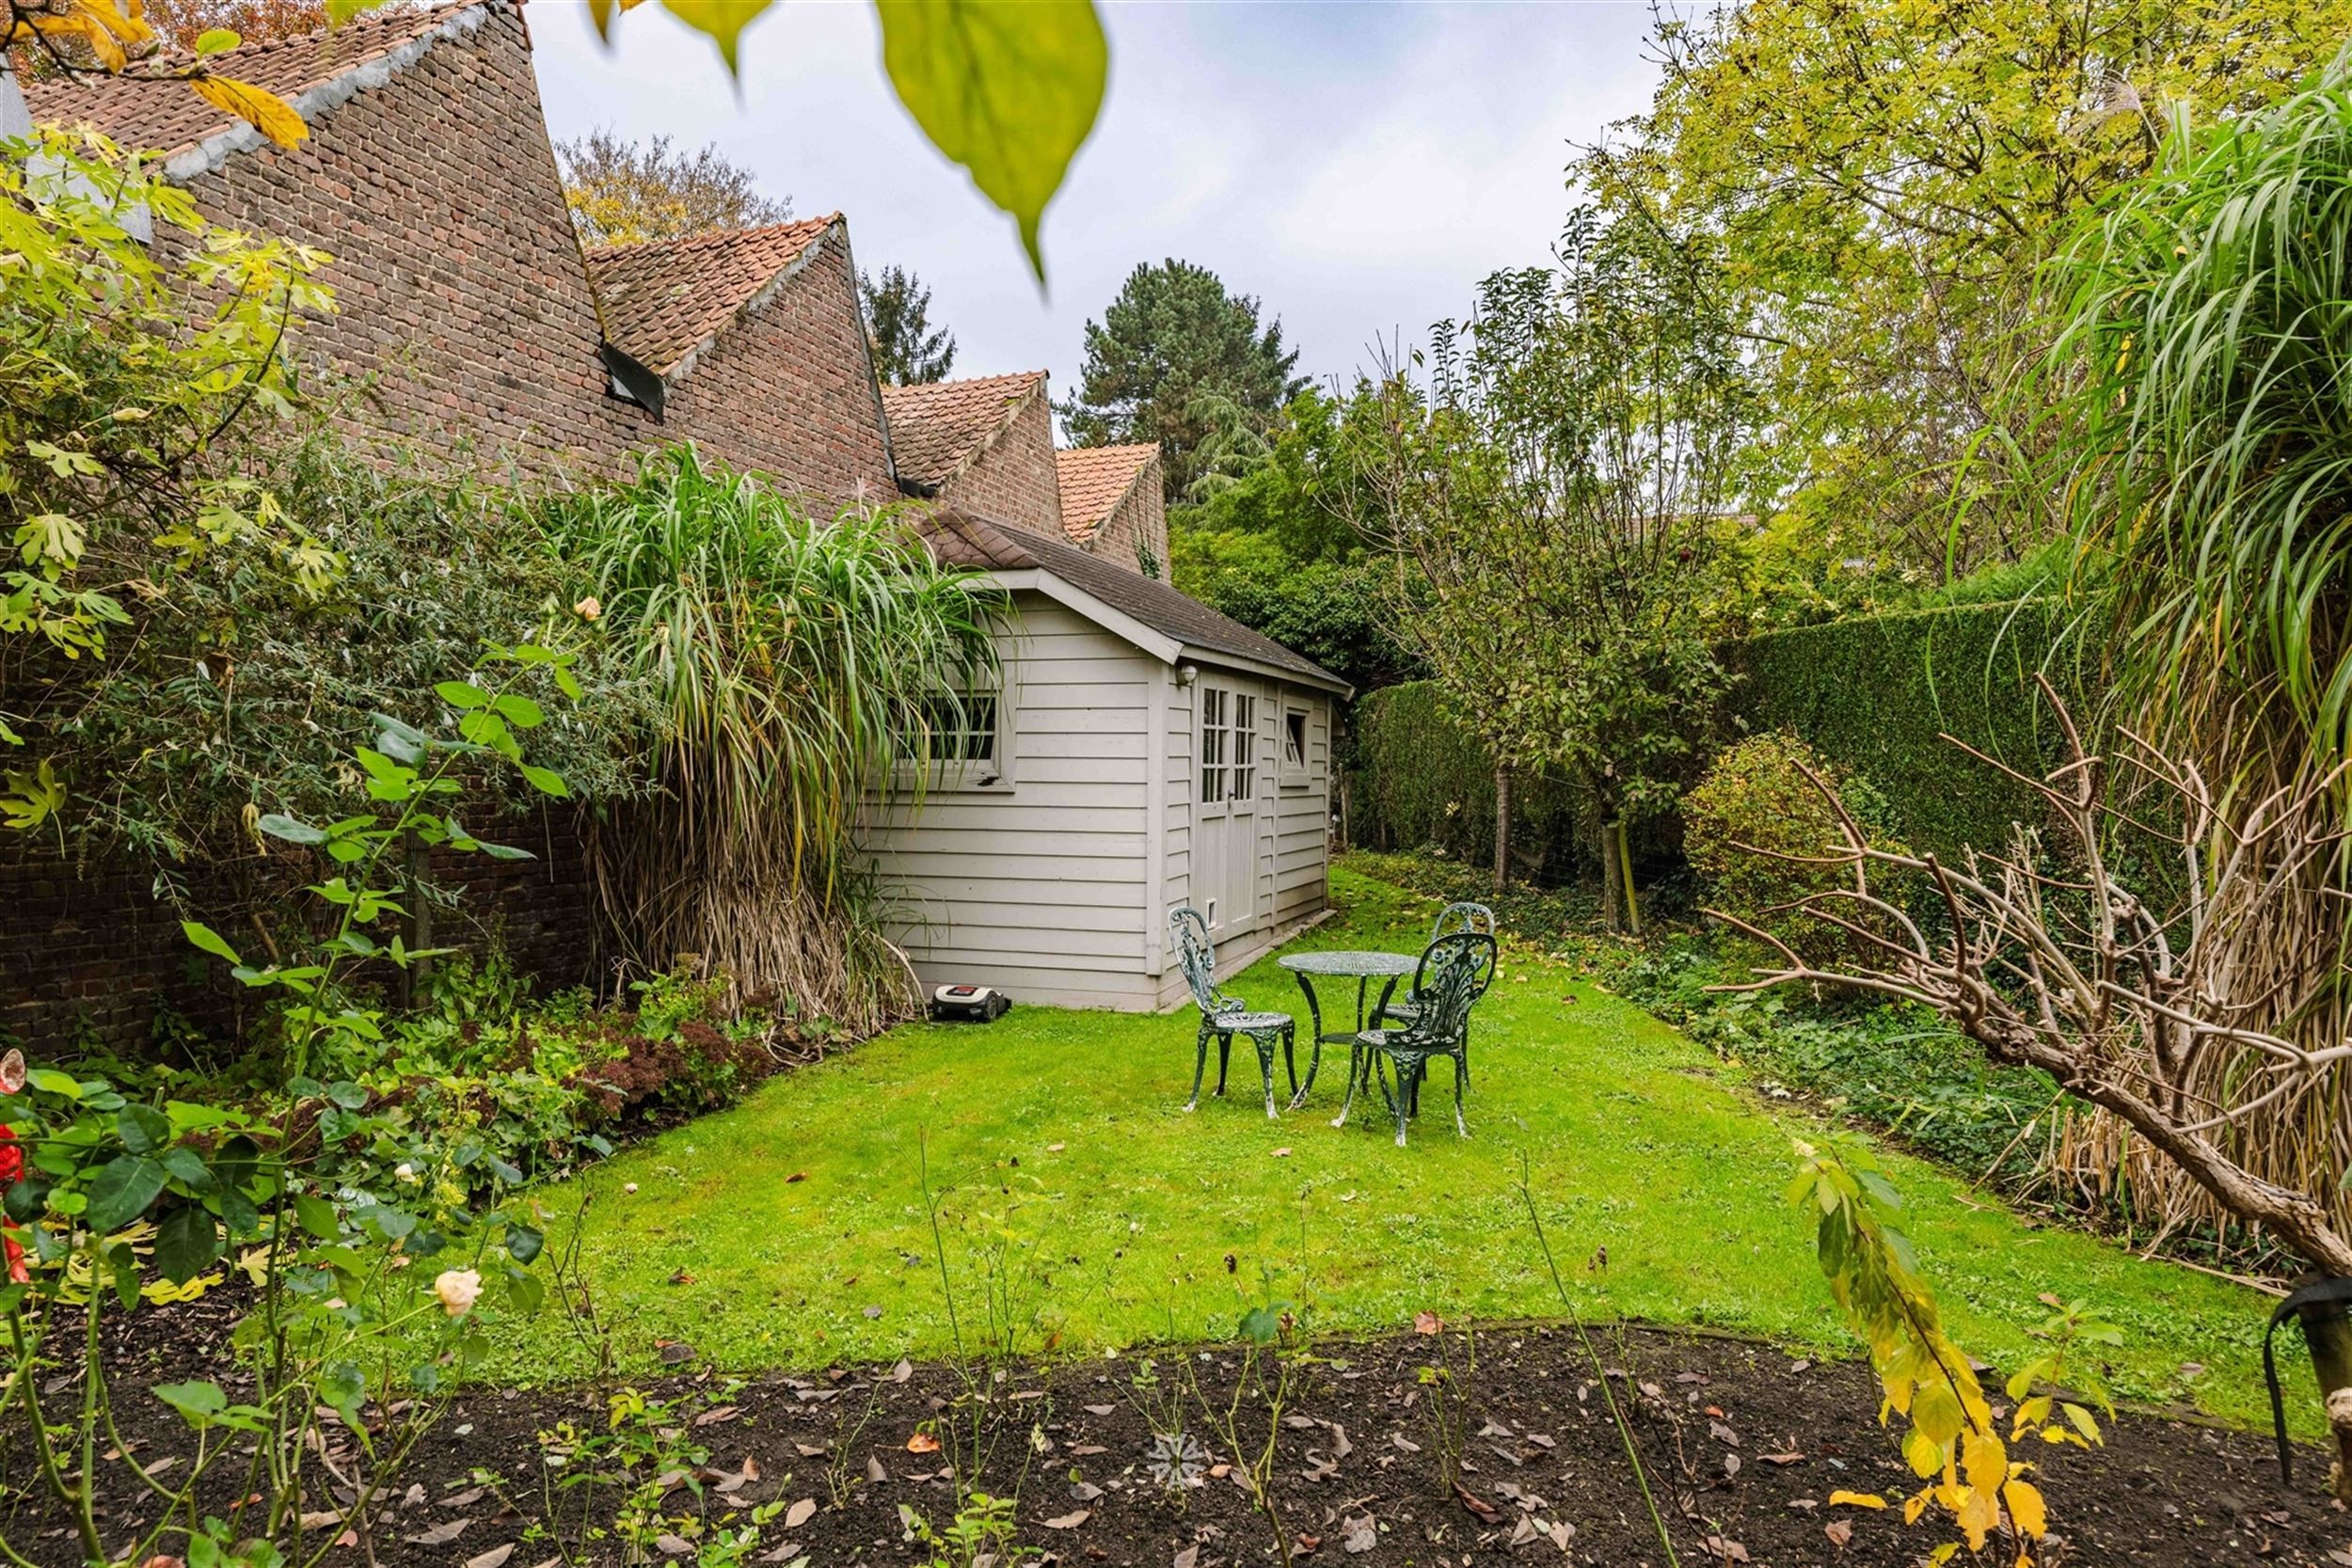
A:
[1876,694]
[1872,695]
[1418,779]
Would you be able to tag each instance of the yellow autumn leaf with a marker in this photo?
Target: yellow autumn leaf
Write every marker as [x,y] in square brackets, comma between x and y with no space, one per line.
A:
[1922,1453]
[1856,1500]
[256,106]
[1978,1516]
[1915,1505]
[2026,1507]
[1984,1459]
[129,28]
[102,47]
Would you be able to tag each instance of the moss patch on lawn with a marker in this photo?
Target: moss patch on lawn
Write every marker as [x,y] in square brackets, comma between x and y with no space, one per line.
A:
[1081,1209]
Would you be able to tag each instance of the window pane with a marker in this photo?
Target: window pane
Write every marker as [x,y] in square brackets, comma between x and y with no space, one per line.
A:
[1211,744]
[1244,744]
[1293,739]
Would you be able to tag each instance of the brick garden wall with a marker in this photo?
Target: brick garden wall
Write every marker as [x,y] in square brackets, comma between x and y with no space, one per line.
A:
[90,954]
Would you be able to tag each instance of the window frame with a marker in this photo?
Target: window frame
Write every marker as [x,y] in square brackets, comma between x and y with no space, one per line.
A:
[966,775]
[1301,773]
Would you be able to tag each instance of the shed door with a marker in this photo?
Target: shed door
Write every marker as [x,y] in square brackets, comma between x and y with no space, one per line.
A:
[1225,809]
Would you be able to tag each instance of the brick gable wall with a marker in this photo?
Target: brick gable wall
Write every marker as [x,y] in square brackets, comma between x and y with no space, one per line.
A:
[788,390]
[460,295]
[1138,525]
[1013,481]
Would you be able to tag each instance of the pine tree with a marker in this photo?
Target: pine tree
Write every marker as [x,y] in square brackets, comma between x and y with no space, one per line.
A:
[907,350]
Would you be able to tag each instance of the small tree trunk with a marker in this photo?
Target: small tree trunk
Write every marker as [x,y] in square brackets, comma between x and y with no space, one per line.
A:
[1502,825]
[1625,867]
[1611,870]
[420,922]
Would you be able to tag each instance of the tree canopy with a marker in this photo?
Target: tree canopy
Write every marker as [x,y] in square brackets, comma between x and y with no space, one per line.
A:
[1881,182]
[1172,335]
[908,349]
[623,192]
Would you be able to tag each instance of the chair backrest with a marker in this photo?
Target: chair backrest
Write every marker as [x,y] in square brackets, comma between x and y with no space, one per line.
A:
[1476,918]
[1455,972]
[1188,934]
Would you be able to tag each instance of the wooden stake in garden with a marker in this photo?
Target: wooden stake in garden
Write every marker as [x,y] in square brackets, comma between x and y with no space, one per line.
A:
[2055,961]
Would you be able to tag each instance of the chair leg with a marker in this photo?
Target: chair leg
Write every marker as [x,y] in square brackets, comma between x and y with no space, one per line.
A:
[1461,1076]
[1403,1107]
[1200,1064]
[1224,1059]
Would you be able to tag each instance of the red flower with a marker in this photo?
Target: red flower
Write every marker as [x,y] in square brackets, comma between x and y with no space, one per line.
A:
[11,1157]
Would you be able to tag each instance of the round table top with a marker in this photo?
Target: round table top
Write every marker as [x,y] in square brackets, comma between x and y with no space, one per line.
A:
[1354,964]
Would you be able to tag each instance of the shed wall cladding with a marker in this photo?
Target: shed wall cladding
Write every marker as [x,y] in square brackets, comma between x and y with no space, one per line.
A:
[1041,888]
[1013,481]
[459,289]
[1302,817]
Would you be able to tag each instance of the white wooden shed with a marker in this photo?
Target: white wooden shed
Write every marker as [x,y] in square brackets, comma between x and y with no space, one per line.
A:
[1145,753]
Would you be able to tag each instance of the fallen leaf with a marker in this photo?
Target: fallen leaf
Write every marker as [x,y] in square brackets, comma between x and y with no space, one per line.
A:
[1284,1153]
[800,1513]
[1403,1442]
[1055,1148]
[796,1176]
[493,1558]
[1839,1531]
[1070,1520]
[1426,1323]
[681,1277]
[1362,1534]
[1723,1549]
[1305,1545]
[1478,1505]
[1100,1409]
[809,1450]
[922,1442]
[716,1414]
[902,1371]
[1188,1557]
[1856,1500]
[439,1535]
[1562,1533]
[1731,1463]
[1792,1457]
[673,1545]
[874,1470]
[1723,1434]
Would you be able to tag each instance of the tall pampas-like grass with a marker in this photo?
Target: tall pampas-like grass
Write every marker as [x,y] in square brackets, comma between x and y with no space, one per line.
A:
[2205,374]
[796,661]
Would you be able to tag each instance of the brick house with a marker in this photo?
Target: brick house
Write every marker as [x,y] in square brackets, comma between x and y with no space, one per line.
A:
[476,325]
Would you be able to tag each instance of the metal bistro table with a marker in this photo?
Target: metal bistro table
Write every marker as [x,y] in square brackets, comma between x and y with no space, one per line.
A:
[1362,967]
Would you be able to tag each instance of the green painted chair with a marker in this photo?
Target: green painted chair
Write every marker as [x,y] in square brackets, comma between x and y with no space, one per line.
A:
[1475,918]
[1222,1016]
[1454,973]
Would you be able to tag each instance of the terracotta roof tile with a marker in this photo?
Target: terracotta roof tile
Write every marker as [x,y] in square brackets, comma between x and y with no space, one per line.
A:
[961,538]
[164,116]
[664,299]
[937,430]
[1094,479]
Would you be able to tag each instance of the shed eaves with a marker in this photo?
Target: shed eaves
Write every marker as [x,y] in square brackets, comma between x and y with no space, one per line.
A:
[960,538]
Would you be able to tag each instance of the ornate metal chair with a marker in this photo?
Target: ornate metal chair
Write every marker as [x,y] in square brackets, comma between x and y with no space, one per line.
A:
[1453,974]
[1224,1016]
[1478,920]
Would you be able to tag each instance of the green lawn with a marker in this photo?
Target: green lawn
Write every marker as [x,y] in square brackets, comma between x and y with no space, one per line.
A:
[792,1232]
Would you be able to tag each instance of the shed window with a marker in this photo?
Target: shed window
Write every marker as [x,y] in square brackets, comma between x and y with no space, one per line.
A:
[961,735]
[1245,745]
[1295,746]
[1211,744]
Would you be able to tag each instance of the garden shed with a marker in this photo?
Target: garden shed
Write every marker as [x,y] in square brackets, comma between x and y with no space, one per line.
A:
[1143,752]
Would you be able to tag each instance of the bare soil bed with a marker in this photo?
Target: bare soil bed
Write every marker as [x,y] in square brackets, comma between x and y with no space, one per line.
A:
[1741,1444]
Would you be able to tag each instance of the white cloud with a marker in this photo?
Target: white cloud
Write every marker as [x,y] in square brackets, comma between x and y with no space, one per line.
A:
[1356,167]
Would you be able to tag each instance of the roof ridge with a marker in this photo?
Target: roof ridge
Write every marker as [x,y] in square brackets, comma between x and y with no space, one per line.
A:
[711,238]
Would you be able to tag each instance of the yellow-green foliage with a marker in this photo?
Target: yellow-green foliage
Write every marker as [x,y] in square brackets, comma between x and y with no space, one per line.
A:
[1753,812]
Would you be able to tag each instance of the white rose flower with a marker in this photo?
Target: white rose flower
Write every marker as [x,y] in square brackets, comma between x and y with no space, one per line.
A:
[457,1289]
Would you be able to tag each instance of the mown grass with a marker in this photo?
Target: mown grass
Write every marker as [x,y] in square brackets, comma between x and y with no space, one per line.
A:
[1081,1205]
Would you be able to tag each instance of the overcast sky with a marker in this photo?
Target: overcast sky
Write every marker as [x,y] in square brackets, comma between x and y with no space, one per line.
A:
[1358,168]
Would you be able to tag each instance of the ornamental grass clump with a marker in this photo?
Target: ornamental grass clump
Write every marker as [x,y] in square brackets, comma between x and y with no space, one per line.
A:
[793,662]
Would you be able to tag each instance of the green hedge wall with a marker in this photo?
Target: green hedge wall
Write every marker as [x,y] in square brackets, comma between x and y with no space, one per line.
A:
[1417,780]
[1876,694]
[1873,694]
